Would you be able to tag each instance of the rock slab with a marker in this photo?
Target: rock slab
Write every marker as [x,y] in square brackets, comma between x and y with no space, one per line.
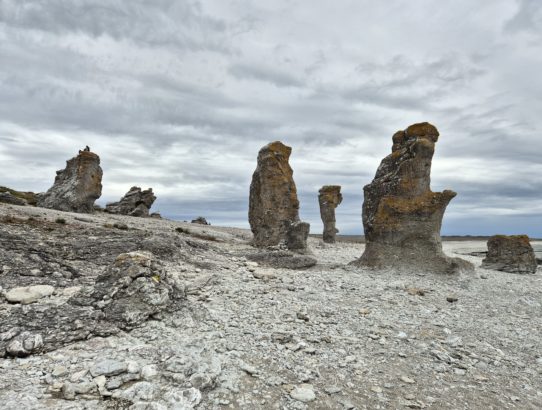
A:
[402,217]
[134,203]
[77,186]
[273,203]
[329,198]
[28,294]
[512,254]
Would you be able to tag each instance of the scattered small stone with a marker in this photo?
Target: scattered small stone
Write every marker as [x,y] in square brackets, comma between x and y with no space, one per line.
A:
[28,294]
[408,380]
[452,299]
[303,393]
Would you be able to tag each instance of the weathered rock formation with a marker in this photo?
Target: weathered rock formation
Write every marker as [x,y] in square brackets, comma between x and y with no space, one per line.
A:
[77,186]
[402,217]
[134,288]
[9,198]
[273,204]
[296,237]
[282,259]
[200,220]
[329,198]
[512,254]
[135,203]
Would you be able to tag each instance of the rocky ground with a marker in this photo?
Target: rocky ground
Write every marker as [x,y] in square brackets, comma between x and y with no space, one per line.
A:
[247,336]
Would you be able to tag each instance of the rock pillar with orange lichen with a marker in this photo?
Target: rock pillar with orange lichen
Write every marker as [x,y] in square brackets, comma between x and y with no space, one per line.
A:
[402,217]
[273,203]
[77,186]
[329,198]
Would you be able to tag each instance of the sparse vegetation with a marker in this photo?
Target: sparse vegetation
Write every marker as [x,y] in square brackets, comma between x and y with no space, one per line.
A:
[61,221]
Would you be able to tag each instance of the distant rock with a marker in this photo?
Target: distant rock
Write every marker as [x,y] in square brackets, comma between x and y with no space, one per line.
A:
[402,217]
[135,203]
[329,198]
[200,220]
[77,186]
[9,198]
[273,203]
[512,254]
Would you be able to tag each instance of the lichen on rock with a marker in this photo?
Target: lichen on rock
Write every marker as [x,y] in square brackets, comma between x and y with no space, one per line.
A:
[402,217]
[329,198]
[512,254]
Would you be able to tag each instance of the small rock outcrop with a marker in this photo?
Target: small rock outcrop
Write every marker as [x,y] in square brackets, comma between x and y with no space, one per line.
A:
[512,254]
[273,203]
[296,237]
[133,289]
[402,217]
[329,198]
[200,220]
[282,259]
[135,203]
[77,186]
[9,198]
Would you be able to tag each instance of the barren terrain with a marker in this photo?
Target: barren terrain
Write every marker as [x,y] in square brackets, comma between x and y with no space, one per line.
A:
[247,336]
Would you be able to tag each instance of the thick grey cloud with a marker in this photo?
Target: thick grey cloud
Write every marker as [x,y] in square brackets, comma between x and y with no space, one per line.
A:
[180,96]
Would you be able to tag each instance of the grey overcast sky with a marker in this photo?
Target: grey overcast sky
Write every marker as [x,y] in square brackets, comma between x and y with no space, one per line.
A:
[179,95]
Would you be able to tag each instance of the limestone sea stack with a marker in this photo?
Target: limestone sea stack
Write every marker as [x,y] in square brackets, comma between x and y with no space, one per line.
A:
[77,186]
[329,198]
[402,217]
[134,203]
[512,254]
[273,203]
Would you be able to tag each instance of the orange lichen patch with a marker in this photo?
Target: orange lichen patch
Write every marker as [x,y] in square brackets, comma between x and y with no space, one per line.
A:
[330,194]
[391,208]
[277,148]
[423,129]
[524,239]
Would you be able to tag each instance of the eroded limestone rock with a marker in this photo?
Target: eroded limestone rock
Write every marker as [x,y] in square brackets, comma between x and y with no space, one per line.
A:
[77,186]
[133,289]
[329,198]
[296,237]
[135,203]
[273,204]
[512,254]
[402,217]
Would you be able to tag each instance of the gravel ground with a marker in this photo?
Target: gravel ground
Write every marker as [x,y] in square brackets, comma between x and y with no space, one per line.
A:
[333,336]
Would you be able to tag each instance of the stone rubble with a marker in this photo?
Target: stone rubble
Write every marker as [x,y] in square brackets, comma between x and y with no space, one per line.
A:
[134,203]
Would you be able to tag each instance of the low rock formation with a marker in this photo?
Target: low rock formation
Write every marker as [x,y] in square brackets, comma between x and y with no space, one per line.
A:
[9,198]
[329,198]
[200,220]
[77,186]
[135,203]
[512,254]
[131,290]
[282,259]
[273,204]
[402,217]
[296,237]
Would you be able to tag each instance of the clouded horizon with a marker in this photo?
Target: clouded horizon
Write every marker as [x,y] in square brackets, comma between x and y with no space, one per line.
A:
[180,96]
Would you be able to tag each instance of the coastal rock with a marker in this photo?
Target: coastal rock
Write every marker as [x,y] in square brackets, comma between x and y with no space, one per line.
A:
[329,198]
[135,203]
[77,186]
[200,220]
[512,254]
[9,198]
[273,203]
[402,217]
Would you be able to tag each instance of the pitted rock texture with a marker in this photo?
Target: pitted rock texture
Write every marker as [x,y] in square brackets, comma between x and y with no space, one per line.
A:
[512,254]
[77,186]
[329,198]
[402,217]
[273,204]
[296,238]
[130,291]
[135,203]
